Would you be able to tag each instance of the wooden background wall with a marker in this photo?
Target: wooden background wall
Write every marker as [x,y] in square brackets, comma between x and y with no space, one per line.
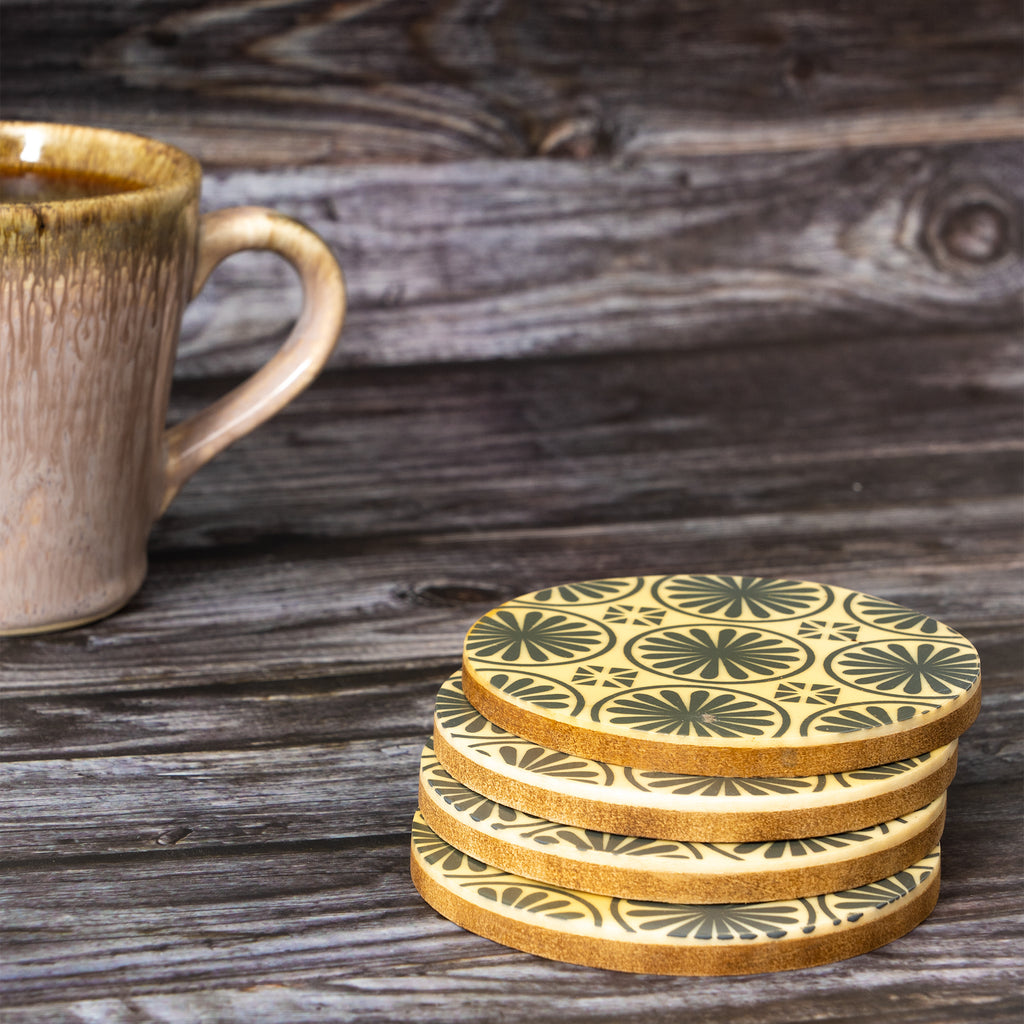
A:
[728,286]
[509,179]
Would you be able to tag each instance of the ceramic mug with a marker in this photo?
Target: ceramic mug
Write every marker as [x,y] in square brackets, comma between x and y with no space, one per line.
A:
[102,245]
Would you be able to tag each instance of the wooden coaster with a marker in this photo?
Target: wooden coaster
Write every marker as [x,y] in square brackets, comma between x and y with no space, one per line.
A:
[668,938]
[697,808]
[666,870]
[721,675]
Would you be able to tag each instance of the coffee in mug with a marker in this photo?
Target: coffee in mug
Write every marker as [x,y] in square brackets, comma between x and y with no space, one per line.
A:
[29,184]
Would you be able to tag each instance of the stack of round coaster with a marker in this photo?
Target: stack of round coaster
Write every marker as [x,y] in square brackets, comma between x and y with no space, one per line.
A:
[693,774]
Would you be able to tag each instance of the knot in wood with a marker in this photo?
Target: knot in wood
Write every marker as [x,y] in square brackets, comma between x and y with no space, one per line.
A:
[971,227]
[975,232]
[577,138]
[454,594]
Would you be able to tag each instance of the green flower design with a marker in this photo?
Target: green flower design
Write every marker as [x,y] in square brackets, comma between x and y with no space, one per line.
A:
[738,597]
[534,691]
[542,761]
[434,850]
[723,652]
[883,771]
[894,616]
[453,710]
[625,846]
[548,833]
[586,592]
[704,715]
[910,668]
[464,800]
[717,786]
[877,894]
[856,717]
[541,900]
[715,921]
[542,637]
[802,847]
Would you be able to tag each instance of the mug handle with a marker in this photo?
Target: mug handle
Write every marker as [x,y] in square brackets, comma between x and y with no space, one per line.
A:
[199,438]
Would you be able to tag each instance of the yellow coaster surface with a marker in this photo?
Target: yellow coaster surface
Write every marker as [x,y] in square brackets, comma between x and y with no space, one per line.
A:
[667,870]
[610,798]
[668,938]
[721,675]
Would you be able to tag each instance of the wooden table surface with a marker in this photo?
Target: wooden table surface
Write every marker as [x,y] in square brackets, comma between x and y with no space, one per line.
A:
[642,288]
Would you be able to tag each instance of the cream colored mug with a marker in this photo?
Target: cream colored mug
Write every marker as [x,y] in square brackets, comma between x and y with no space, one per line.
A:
[102,245]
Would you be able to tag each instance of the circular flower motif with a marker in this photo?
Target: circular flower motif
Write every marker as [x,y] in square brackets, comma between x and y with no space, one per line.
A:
[700,713]
[742,597]
[529,635]
[587,592]
[866,715]
[544,693]
[717,653]
[434,850]
[453,710]
[877,894]
[589,841]
[714,921]
[884,771]
[913,667]
[546,901]
[802,847]
[874,611]
[463,799]
[531,758]
[719,786]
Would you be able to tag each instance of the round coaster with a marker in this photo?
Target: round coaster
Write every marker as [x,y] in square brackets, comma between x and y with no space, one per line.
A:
[721,675]
[668,938]
[697,808]
[667,870]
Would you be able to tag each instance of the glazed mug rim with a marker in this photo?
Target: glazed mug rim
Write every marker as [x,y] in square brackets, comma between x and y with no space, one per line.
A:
[158,170]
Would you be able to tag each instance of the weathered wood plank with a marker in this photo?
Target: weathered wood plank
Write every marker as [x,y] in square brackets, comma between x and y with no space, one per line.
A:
[843,426]
[382,705]
[470,261]
[315,81]
[383,999]
[214,799]
[379,706]
[339,925]
[71,808]
[346,609]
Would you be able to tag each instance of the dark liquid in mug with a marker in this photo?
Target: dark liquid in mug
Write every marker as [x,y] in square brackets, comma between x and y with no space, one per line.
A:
[26,184]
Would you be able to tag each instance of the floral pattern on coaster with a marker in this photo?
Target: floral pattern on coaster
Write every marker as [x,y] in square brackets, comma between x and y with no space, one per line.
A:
[592,794]
[669,938]
[669,870]
[723,675]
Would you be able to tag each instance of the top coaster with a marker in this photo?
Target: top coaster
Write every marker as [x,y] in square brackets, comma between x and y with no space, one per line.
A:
[721,675]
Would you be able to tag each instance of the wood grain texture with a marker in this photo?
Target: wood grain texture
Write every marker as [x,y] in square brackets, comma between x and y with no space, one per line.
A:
[310,81]
[338,925]
[636,288]
[748,432]
[534,258]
